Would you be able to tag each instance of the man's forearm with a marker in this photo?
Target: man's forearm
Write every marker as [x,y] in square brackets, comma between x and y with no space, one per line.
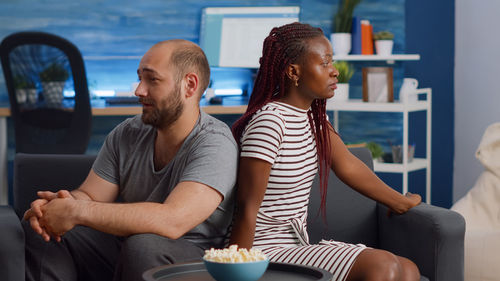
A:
[128,219]
[80,195]
[188,205]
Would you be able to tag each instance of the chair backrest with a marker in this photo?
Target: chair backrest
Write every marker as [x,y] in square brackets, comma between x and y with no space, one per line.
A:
[37,67]
[34,172]
[351,217]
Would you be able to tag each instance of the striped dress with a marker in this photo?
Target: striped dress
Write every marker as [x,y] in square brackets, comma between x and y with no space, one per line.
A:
[281,135]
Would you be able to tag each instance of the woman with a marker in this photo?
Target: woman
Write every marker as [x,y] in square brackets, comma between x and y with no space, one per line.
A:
[285,140]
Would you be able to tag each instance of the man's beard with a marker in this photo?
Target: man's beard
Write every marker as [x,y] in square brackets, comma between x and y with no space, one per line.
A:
[166,113]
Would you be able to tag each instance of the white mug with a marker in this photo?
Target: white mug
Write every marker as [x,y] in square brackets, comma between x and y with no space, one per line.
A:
[407,92]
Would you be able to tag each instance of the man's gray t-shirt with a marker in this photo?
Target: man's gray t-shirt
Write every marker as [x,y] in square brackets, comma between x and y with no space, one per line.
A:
[209,155]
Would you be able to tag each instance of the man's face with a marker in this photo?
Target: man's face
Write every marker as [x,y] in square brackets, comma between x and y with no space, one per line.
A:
[158,91]
[164,113]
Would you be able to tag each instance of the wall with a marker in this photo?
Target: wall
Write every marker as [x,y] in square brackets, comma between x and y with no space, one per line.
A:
[430,32]
[128,28]
[477,98]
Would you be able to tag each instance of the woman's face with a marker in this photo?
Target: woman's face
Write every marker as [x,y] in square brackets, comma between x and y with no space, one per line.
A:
[318,76]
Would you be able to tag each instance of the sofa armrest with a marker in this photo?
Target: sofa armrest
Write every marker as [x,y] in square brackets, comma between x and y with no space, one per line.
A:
[432,237]
[11,245]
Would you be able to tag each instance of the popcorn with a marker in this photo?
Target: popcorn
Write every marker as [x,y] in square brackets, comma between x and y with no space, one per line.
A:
[233,255]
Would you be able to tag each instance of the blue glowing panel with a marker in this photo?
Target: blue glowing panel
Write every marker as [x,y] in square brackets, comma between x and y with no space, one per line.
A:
[233,36]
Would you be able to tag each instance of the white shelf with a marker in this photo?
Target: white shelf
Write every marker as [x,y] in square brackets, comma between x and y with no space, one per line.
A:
[360,105]
[390,59]
[415,165]
[403,108]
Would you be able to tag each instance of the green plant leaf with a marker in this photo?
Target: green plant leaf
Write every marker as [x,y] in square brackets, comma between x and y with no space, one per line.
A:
[343,18]
[345,69]
[383,35]
[23,82]
[54,72]
[375,149]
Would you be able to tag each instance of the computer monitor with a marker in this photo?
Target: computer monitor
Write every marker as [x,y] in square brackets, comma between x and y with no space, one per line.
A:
[233,36]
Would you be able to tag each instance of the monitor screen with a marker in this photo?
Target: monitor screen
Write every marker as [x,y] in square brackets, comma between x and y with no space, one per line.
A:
[233,36]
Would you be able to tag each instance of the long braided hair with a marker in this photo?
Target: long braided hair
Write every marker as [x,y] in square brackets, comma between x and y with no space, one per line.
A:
[285,45]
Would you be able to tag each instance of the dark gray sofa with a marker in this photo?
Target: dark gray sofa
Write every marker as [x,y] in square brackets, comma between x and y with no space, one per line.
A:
[432,237]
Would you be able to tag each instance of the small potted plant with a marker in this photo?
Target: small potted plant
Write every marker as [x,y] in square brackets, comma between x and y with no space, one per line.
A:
[376,150]
[342,25]
[53,79]
[383,42]
[25,89]
[341,94]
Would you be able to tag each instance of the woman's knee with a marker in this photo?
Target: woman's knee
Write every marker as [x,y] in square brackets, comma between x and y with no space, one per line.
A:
[386,268]
[409,269]
[375,265]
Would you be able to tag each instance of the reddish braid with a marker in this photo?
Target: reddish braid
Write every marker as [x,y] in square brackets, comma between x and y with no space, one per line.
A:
[285,45]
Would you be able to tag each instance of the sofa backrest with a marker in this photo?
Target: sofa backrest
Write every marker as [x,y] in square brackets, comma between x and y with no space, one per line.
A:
[351,217]
[52,172]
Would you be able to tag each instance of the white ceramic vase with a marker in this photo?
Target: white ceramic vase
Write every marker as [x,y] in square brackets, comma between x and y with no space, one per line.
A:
[24,96]
[53,93]
[384,47]
[341,43]
[341,95]
[407,92]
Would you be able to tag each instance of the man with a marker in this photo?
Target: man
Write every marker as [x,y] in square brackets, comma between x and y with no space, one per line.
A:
[174,171]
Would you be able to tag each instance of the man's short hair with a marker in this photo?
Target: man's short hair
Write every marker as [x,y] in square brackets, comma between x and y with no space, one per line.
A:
[191,58]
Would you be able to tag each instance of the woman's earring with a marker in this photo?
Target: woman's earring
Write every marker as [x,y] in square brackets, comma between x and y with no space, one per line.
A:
[296,82]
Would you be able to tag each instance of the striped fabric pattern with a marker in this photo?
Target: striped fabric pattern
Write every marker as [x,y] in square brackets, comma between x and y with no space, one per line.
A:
[281,135]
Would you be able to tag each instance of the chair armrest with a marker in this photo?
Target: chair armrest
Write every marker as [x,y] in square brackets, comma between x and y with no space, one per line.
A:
[11,245]
[432,237]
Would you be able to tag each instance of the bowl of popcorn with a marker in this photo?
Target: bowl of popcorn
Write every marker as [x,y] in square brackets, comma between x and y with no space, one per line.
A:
[233,264]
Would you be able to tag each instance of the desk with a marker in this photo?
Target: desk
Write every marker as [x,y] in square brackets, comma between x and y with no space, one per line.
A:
[231,105]
[134,110]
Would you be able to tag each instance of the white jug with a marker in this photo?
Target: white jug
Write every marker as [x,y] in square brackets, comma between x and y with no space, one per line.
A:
[407,92]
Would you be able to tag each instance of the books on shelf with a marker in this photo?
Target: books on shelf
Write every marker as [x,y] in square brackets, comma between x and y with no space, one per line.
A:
[366,38]
[356,36]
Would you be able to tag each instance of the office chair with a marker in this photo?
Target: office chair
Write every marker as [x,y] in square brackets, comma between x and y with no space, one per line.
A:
[38,69]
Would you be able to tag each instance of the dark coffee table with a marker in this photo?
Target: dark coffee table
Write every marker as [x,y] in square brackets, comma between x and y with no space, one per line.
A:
[198,272]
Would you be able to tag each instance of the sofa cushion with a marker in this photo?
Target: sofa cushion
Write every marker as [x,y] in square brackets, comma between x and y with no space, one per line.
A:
[351,217]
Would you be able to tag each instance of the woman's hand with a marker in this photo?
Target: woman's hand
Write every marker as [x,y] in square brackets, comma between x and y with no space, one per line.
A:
[409,201]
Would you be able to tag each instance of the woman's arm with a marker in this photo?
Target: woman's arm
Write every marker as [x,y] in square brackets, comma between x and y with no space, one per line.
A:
[357,175]
[253,175]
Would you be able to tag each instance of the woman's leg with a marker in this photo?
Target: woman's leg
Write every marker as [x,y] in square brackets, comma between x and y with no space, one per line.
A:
[374,265]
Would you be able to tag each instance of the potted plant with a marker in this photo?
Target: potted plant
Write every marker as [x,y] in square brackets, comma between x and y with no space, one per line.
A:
[25,89]
[346,70]
[383,42]
[342,25]
[376,150]
[53,78]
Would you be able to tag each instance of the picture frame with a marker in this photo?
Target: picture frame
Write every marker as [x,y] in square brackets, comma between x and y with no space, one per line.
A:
[378,84]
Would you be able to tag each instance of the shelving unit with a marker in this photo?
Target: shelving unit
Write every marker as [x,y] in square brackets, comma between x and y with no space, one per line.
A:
[405,109]
[389,59]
